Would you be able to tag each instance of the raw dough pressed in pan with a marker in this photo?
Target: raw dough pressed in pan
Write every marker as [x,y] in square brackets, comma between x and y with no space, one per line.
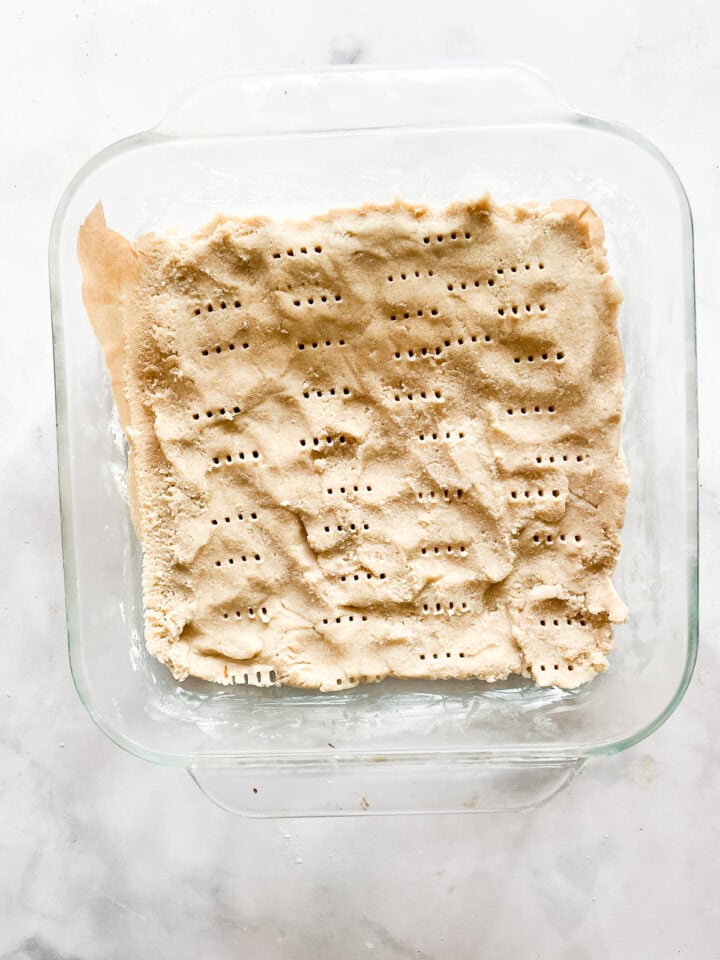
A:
[381,442]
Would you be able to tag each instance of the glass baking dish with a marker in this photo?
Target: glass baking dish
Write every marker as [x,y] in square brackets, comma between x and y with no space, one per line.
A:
[293,144]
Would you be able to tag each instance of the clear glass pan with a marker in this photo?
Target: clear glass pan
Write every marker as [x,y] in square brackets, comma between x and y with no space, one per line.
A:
[293,144]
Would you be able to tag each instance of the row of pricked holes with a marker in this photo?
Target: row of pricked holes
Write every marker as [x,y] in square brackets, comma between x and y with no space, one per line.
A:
[565,457]
[323,441]
[304,250]
[523,410]
[422,395]
[429,437]
[358,576]
[557,622]
[355,489]
[352,527]
[327,343]
[222,412]
[322,299]
[530,493]
[501,270]
[446,495]
[223,306]
[452,236]
[427,608]
[463,284]
[543,356]
[515,309]
[250,613]
[243,559]
[327,393]
[349,618]
[435,656]
[430,273]
[548,538]
[444,549]
[556,666]
[272,677]
[418,313]
[417,273]
[219,349]
[437,351]
[240,516]
[228,458]
[434,608]
[490,281]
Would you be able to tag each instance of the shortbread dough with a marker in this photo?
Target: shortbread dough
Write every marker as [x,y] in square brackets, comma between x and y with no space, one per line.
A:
[381,442]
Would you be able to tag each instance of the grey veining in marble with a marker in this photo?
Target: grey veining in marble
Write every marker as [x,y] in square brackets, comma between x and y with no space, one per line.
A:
[105,857]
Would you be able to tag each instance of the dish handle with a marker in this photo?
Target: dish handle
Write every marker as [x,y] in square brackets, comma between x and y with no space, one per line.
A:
[352,786]
[340,99]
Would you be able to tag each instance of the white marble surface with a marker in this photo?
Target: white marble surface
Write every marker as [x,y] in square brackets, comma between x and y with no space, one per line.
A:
[105,856]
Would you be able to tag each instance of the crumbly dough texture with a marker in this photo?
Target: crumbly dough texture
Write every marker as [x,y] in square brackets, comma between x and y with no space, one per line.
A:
[382,442]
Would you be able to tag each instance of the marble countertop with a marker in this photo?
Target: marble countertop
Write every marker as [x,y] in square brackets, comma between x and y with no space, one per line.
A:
[104,856]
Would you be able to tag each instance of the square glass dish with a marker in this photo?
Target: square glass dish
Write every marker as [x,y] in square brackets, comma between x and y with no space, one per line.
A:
[294,144]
